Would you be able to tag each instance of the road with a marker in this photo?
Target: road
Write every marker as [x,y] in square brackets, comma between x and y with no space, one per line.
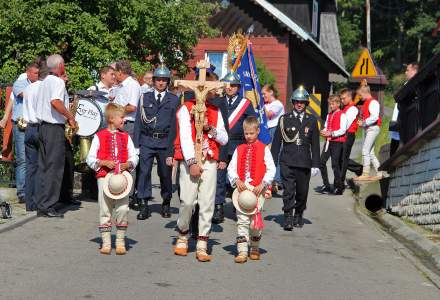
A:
[335,256]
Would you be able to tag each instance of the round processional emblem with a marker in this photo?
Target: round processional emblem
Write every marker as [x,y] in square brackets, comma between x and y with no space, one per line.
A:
[89,117]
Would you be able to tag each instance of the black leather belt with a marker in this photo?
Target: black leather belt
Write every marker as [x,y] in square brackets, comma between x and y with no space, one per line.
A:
[33,124]
[128,121]
[157,135]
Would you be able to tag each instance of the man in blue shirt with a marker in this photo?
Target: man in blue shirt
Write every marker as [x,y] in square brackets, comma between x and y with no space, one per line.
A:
[18,129]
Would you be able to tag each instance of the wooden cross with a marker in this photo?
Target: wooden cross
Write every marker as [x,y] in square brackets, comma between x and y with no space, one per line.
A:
[201,89]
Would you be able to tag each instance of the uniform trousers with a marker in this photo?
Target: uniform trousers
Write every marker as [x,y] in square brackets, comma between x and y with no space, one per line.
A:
[200,190]
[222,185]
[245,228]
[334,151]
[111,211]
[347,163]
[296,187]
[147,156]
[368,155]
[52,151]
[31,148]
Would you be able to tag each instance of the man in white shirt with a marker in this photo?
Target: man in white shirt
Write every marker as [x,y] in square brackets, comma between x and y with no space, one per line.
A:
[31,140]
[128,94]
[52,113]
[107,76]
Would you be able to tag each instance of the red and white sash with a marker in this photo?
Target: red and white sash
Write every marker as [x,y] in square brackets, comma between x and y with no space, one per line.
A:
[238,112]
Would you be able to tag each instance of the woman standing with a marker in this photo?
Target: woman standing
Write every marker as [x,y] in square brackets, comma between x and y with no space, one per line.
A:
[274,110]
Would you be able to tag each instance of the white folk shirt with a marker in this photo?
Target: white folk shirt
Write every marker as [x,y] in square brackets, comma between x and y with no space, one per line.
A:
[185,132]
[374,109]
[129,93]
[92,158]
[351,115]
[30,95]
[51,88]
[268,161]
[277,108]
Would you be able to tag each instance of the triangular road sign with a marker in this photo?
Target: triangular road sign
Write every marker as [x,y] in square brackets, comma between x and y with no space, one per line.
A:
[364,66]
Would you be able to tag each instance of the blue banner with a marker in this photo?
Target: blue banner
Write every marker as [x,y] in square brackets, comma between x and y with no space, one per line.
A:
[250,89]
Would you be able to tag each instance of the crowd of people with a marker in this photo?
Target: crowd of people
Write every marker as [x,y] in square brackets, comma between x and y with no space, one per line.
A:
[148,122]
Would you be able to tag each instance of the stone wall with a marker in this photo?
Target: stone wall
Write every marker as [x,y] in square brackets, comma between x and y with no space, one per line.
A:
[414,190]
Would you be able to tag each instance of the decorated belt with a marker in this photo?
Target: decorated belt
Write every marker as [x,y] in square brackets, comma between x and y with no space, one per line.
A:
[157,135]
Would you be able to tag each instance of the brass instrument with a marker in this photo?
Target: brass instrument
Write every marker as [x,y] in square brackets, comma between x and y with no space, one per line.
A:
[21,123]
[70,131]
[84,146]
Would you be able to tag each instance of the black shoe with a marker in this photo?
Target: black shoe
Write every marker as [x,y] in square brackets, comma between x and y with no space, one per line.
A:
[325,189]
[194,224]
[339,191]
[144,211]
[219,215]
[50,213]
[133,202]
[21,199]
[74,202]
[288,221]
[298,221]
[165,212]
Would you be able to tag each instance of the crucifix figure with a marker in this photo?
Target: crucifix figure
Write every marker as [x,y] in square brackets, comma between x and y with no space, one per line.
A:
[201,89]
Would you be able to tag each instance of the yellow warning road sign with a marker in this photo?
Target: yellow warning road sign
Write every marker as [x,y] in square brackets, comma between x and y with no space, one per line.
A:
[314,107]
[364,66]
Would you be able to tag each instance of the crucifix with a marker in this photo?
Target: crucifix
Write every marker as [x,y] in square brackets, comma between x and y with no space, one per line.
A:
[201,89]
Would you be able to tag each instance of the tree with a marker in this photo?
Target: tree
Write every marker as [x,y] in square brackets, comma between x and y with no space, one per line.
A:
[90,34]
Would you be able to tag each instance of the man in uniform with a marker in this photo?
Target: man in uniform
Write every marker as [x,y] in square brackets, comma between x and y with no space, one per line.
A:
[154,133]
[298,134]
[237,111]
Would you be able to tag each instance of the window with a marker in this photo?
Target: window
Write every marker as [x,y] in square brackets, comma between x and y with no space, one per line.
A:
[220,61]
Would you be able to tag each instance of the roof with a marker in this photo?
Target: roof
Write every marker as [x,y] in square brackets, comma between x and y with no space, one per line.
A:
[298,31]
[329,37]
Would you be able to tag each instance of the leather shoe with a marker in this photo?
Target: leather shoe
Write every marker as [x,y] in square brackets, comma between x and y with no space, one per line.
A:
[325,189]
[144,211]
[288,221]
[298,220]
[165,212]
[50,213]
[338,192]
[219,215]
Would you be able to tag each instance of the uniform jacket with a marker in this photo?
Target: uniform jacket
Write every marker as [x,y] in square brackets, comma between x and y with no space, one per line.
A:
[305,155]
[165,122]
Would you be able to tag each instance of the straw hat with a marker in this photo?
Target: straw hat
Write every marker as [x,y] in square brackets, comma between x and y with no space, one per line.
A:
[246,201]
[117,186]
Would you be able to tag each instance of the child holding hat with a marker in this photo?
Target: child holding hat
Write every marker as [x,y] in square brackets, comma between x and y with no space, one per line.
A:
[113,155]
[251,171]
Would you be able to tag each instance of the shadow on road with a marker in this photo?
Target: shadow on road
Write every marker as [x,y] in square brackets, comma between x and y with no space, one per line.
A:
[129,243]
[279,219]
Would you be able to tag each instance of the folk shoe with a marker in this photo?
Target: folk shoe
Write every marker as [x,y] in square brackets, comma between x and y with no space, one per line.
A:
[106,247]
[202,255]
[181,248]
[120,242]
[241,258]
[254,254]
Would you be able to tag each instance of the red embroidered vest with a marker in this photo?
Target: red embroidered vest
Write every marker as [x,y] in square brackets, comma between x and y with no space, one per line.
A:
[334,123]
[212,116]
[250,157]
[366,112]
[109,141]
[354,125]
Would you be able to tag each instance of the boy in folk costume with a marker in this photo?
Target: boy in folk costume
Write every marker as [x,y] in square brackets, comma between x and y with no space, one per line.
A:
[253,180]
[370,121]
[334,132]
[113,155]
[197,179]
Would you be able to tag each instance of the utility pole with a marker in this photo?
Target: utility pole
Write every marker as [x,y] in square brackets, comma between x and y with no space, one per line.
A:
[368,27]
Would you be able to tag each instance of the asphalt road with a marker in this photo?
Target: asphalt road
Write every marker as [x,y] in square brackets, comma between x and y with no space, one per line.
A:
[335,256]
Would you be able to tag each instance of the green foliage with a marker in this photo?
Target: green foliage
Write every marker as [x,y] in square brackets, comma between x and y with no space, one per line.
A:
[265,76]
[90,34]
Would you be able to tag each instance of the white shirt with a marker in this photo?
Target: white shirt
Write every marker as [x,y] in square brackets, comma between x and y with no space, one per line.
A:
[185,132]
[374,109]
[162,94]
[351,115]
[277,108]
[301,115]
[234,98]
[268,161]
[342,126]
[129,93]
[51,88]
[104,100]
[145,88]
[92,158]
[30,95]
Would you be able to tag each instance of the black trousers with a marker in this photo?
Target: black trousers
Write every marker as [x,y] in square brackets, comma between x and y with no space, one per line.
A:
[144,188]
[296,188]
[347,163]
[54,178]
[31,143]
[394,145]
[334,152]
[222,185]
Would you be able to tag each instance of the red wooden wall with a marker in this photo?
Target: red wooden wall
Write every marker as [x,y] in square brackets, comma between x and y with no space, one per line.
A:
[272,51]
